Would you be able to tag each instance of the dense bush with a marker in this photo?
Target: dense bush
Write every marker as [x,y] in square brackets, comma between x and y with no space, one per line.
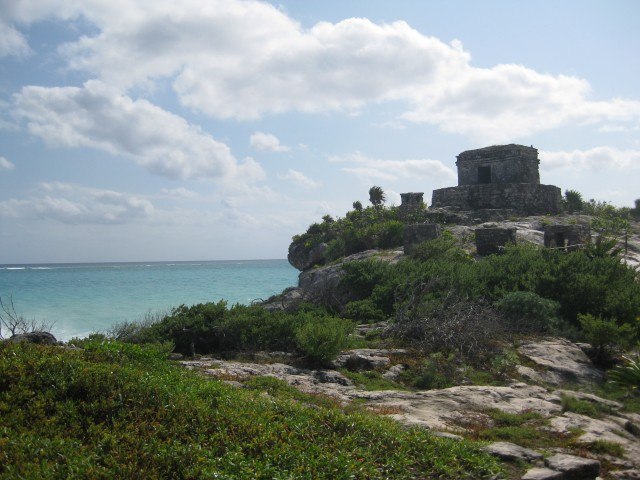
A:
[363,311]
[322,341]
[360,229]
[529,312]
[580,282]
[116,410]
[604,335]
[213,327]
[469,328]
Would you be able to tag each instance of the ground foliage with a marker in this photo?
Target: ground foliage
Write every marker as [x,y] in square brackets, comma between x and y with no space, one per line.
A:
[114,410]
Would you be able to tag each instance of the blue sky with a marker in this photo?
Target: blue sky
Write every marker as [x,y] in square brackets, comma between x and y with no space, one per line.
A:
[136,130]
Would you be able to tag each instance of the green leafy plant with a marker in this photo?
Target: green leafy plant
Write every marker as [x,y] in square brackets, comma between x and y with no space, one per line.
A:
[322,339]
[604,335]
[376,196]
[627,374]
[529,312]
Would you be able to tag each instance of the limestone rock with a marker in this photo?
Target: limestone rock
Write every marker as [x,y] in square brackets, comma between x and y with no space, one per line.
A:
[42,338]
[365,358]
[322,285]
[542,474]
[303,259]
[564,361]
[511,452]
[610,429]
[631,474]
[574,468]
[394,372]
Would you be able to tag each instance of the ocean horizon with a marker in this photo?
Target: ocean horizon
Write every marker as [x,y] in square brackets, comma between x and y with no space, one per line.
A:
[82,298]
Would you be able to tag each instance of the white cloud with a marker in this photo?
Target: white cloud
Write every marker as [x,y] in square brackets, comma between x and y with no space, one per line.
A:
[266,142]
[73,204]
[12,42]
[300,179]
[594,159]
[179,192]
[100,117]
[6,165]
[392,170]
[245,59]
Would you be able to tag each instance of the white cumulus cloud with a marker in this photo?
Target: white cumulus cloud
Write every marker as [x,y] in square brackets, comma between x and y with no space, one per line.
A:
[267,142]
[12,42]
[373,169]
[73,204]
[595,159]
[98,116]
[6,165]
[245,59]
[300,179]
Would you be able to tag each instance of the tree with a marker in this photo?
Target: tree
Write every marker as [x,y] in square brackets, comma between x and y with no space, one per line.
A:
[572,201]
[357,206]
[376,196]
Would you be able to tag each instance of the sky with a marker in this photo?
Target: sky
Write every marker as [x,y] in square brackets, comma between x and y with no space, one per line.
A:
[150,130]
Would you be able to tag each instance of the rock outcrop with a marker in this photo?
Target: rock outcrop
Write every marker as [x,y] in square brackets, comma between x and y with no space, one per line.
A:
[322,285]
[451,409]
[43,338]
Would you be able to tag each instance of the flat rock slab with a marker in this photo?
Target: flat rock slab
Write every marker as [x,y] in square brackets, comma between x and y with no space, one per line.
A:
[366,358]
[565,362]
[574,468]
[542,474]
[512,452]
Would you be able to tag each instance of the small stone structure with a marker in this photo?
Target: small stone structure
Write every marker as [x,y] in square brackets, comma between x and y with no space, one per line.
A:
[569,237]
[418,233]
[500,177]
[490,240]
[411,201]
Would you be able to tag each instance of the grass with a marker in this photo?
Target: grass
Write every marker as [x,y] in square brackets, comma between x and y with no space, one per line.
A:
[584,407]
[525,429]
[371,380]
[604,447]
[117,410]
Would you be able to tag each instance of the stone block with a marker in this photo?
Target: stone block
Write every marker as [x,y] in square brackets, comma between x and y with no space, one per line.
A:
[574,468]
[490,240]
[418,233]
[569,237]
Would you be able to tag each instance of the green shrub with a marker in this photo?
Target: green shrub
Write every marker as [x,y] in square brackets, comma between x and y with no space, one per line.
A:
[627,374]
[363,311]
[445,247]
[121,411]
[437,371]
[604,335]
[529,312]
[322,339]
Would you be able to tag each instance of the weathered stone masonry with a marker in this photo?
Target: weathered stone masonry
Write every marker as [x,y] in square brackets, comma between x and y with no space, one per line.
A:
[500,177]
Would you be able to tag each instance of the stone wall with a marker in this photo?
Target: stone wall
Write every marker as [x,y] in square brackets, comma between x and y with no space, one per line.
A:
[569,237]
[490,240]
[411,201]
[502,164]
[418,233]
[523,198]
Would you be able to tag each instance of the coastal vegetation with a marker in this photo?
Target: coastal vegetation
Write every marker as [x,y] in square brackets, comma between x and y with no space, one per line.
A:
[113,406]
[117,410]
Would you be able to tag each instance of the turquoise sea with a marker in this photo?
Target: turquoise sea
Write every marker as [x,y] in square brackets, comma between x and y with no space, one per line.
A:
[84,298]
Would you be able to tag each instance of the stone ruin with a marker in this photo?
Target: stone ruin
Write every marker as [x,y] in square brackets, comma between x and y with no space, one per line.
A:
[567,237]
[493,240]
[501,177]
[418,233]
[411,201]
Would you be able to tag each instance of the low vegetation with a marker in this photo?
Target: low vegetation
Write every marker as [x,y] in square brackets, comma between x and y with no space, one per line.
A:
[114,410]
